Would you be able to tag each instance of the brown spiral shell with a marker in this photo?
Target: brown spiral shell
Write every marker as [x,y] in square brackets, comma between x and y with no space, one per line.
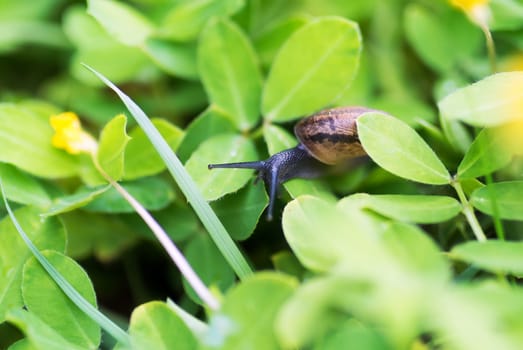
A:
[331,135]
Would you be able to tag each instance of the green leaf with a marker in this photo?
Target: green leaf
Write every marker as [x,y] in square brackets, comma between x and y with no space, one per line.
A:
[312,229]
[40,107]
[397,148]
[298,83]
[495,100]
[153,193]
[225,148]
[409,109]
[179,221]
[493,307]
[360,284]
[155,325]
[286,262]
[268,42]
[110,60]
[267,13]
[486,154]
[309,313]
[22,188]
[197,327]
[210,122]
[45,233]
[495,256]
[413,208]
[71,202]
[26,10]
[22,344]
[140,158]
[185,21]
[358,290]
[262,294]
[90,234]
[304,187]
[277,140]
[356,286]
[470,185]
[504,198]
[353,335]
[414,252]
[123,22]
[30,149]
[209,265]
[95,46]
[360,90]
[506,15]
[113,237]
[241,211]
[178,59]
[83,30]
[457,134]
[229,70]
[40,335]
[18,32]
[452,39]
[110,154]
[367,299]
[45,299]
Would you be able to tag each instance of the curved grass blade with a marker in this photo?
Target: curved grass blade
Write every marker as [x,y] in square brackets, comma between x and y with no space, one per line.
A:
[104,322]
[207,216]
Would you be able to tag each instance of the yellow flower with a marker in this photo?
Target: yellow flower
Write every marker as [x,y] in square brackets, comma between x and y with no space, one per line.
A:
[468,5]
[477,10]
[69,134]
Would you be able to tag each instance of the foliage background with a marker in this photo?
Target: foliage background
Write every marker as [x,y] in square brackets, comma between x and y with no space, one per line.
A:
[167,55]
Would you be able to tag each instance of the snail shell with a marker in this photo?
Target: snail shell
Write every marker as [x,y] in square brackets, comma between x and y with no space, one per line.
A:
[331,135]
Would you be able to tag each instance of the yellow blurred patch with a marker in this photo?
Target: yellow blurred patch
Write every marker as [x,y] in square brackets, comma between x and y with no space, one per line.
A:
[512,63]
[69,134]
[511,135]
[478,11]
[468,5]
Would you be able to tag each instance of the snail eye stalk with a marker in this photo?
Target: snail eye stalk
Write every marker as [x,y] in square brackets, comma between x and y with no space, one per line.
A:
[283,166]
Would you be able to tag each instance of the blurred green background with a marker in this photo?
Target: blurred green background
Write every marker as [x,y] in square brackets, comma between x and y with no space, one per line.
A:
[414,53]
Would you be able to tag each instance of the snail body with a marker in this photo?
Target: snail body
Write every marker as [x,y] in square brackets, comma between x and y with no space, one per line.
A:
[326,138]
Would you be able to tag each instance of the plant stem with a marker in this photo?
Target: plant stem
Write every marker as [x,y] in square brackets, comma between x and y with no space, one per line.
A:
[177,257]
[498,225]
[491,48]
[468,211]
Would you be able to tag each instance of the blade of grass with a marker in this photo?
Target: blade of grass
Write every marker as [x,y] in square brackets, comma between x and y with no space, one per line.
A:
[171,249]
[102,320]
[207,216]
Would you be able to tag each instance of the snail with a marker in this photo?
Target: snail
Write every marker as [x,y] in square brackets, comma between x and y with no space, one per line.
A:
[327,138]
